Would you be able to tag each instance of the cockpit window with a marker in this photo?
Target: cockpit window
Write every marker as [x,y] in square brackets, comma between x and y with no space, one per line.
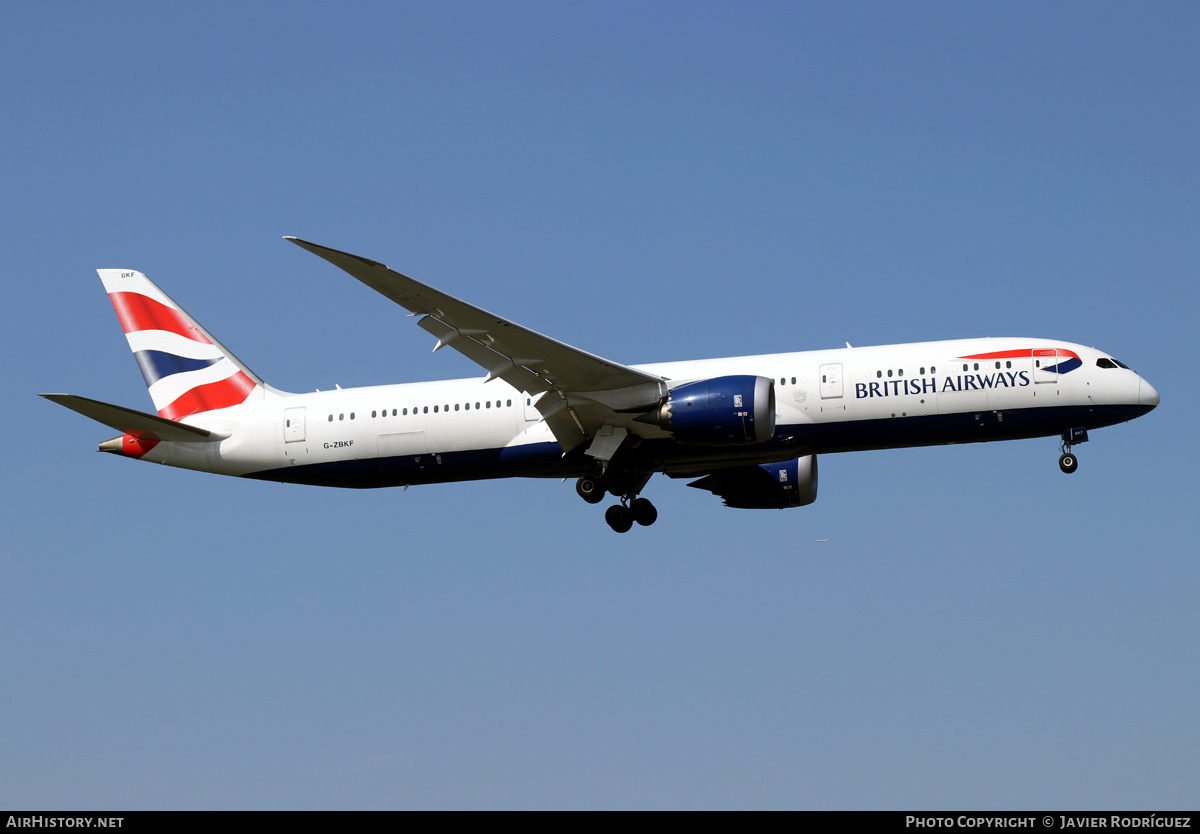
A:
[1105,363]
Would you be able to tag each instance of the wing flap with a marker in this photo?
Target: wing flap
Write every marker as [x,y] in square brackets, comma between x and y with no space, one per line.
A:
[477,345]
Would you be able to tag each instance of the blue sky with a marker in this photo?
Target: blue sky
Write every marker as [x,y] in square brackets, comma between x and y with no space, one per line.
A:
[648,182]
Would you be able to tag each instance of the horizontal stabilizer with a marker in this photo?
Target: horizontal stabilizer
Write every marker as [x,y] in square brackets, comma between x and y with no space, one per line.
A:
[134,423]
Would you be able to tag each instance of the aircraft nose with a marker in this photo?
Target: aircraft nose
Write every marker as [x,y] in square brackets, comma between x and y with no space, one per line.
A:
[1147,396]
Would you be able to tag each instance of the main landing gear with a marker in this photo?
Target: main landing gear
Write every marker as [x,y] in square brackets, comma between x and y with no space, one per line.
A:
[590,489]
[620,517]
[1068,462]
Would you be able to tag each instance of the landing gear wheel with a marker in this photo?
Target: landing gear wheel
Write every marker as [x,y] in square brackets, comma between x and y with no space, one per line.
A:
[619,518]
[589,490]
[643,511]
[1068,463]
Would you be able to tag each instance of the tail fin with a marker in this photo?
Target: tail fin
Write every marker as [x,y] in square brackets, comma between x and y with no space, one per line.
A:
[185,368]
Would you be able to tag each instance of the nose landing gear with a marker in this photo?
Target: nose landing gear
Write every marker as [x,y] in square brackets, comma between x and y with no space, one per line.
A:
[1067,462]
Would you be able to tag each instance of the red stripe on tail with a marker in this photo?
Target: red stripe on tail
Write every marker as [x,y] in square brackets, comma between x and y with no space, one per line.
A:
[210,397]
[138,312]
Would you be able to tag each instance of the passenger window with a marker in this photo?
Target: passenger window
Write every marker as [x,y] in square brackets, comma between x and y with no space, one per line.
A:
[476,406]
[889,373]
[997,363]
[509,403]
[372,413]
[456,406]
[878,374]
[341,416]
[331,418]
[435,409]
[922,370]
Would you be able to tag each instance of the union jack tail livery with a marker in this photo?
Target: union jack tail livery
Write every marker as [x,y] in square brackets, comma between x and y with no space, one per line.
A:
[186,369]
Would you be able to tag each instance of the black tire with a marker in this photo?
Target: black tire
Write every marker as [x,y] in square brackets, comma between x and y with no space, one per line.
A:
[589,490]
[643,511]
[619,518]
[1068,463]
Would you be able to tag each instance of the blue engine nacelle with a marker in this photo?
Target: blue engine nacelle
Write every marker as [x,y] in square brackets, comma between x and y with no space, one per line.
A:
[715,412]
[772,486]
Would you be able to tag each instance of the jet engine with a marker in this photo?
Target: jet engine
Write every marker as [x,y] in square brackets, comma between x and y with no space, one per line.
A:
[773,486]
[720,411]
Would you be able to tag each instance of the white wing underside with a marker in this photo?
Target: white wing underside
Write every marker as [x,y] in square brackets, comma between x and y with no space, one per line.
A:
[580,394]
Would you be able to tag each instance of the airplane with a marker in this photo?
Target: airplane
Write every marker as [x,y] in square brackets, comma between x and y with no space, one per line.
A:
[747,429]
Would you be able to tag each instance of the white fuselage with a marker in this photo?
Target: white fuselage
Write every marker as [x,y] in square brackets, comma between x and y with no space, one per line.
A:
[825,401]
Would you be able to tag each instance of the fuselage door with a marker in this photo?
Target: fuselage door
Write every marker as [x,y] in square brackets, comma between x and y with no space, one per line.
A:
[1045,365]
[293,424]
[831,381]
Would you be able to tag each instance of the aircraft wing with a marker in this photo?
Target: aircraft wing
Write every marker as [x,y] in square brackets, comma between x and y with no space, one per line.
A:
[581,391]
